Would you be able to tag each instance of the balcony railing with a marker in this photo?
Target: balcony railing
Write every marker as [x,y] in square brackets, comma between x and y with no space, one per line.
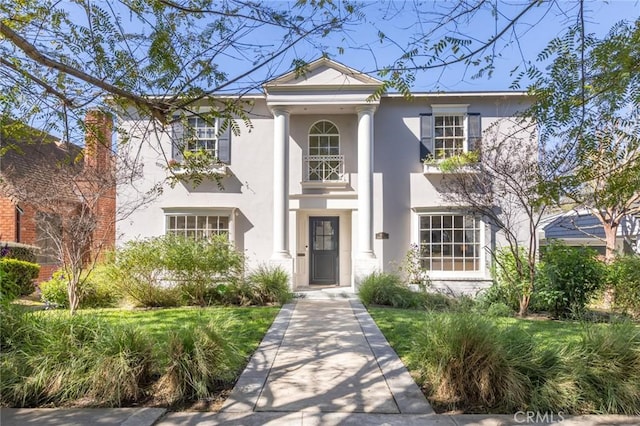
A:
[324,168]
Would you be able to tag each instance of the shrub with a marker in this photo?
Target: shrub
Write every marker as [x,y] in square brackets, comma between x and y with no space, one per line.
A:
[54,291]
[381,288]
[567,278]
[21,253]
[197,265]
[270,285]
[199,360]
[437,302]
[95,290]
[499,309]
[509,282]
[168,270]
[21,274]
[8,288]
[624,277]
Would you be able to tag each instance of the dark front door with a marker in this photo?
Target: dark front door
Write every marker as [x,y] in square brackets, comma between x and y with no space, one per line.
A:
[323,243]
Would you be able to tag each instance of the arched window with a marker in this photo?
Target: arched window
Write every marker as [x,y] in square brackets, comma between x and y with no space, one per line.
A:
[324,159]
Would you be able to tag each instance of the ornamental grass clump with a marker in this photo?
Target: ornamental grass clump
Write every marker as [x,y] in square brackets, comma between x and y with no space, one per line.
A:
[381,288]
[60,359]
[605,366]
[464,362]
[199,361]
[270,285]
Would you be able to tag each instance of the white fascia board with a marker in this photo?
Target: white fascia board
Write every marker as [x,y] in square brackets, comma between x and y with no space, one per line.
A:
[459,94]
[319,99]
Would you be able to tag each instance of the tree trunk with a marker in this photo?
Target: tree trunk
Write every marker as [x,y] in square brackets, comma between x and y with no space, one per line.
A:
[610,231]
[72,292]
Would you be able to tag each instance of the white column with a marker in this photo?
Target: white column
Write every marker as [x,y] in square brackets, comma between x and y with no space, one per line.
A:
[280,184]
[365,181]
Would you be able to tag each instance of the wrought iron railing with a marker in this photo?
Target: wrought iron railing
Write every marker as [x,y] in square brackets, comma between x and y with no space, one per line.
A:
[324,168]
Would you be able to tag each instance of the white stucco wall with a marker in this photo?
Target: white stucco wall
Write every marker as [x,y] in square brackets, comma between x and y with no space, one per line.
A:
[400,187]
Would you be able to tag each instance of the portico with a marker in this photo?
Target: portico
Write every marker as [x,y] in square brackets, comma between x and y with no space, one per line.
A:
[323,220]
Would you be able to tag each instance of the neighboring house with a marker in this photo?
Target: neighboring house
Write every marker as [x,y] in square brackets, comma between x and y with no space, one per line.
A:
[582,228]
[43,183]
[330,184]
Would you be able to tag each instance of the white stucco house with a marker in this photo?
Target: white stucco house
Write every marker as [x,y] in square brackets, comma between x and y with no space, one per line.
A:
[330,184]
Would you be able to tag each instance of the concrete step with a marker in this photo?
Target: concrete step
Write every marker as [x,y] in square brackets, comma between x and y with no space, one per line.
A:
[326,293]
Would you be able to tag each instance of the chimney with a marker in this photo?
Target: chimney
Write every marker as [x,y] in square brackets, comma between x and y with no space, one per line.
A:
[100,167]
[98,135]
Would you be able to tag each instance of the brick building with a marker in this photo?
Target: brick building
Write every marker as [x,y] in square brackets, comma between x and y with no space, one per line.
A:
[47,186]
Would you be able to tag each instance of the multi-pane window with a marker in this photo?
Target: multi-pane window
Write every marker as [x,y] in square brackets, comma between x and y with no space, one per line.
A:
[449,135]
[195,226]
[203,135]
[324,139]
[450,242]
[449,131]
[324,162]
[48,237]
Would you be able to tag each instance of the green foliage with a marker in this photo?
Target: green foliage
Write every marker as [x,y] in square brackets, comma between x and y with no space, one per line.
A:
[381,288]
[95,290]
[411,268]
[196,167]
[21,253]
[8,288]
[59,359]
[499,309]
[624,278]
[454,162]
[108,359]
[587,110]
[199,361]
[567,279]
[270,285]
[19,275]
[473,362]
[178,52]
[465,359]
[54,291]
[512,279]
[605,366]
[162,271]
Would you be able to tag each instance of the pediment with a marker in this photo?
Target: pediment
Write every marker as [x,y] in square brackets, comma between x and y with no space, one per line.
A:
[324,73]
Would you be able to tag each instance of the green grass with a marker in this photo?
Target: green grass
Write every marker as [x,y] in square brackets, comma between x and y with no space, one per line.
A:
[400,325]
[476,363]
[110,357]
[244,327]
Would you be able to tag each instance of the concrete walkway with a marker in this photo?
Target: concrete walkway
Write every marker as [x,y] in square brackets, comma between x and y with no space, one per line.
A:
[326,356]
[322,362]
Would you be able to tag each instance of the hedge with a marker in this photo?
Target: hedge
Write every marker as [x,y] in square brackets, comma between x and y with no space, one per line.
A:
[19,276]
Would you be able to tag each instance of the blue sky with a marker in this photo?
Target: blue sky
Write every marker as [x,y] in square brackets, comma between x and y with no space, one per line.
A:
[397,19]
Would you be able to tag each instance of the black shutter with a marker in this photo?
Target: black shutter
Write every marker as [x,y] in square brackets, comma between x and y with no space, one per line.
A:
[474,131]
[426,135]
[177,138]
[224,145]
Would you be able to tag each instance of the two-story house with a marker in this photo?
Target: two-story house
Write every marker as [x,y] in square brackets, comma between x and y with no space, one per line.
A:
[330,184]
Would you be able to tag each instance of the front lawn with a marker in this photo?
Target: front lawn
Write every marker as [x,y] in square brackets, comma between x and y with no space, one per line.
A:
[243,327]
[110,357]
[469,362]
